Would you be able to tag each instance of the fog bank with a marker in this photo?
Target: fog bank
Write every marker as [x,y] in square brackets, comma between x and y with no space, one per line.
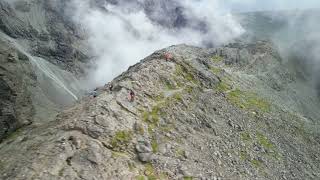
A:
[123,32]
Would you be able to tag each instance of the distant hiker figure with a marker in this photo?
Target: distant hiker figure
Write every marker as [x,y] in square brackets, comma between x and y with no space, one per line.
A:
[131,96]
[94,93]
[168,56]
[111,87]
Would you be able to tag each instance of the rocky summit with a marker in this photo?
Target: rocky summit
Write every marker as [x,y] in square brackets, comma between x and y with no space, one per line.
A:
[221,113]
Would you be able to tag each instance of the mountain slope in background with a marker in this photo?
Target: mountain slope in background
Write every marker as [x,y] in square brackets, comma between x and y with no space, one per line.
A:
[42,57]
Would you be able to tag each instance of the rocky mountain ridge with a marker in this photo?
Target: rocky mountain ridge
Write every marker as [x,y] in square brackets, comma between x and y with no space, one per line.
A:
[238,111]
[196,116]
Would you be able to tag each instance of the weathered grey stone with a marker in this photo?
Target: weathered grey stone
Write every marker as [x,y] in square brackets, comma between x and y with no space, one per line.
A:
[142,148]
[145,157]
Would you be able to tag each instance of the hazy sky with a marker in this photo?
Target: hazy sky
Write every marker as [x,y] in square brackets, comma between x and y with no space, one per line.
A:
[254,5]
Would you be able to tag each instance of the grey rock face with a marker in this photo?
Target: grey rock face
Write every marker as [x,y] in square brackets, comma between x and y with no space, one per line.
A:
[242,128]
[143,148]
[16,108]
[47,29]
[145,157]
[40,62]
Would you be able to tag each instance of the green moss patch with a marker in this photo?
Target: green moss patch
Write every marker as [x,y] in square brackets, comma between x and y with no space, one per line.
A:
[245,136]
[244,155]
[169,85]
[187,178]
[181,71]
[180,153]
[216,70]
[264,141]
[152,118]
[119,155]
[223,87]
[256,163]
[268,145]
[247,100]
[177,96]
[217,59]
[14,135]
[154,145]
[151,174]
[140,177]
[159,97]
[121,140]
[167,128]
[243,99]
[139,129]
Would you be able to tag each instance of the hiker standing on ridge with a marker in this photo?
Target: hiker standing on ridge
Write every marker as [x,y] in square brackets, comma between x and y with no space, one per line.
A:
[131,96]
[94,93]
[168,56]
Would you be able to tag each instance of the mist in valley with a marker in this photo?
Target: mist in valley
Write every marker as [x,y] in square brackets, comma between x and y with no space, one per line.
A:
[120,33]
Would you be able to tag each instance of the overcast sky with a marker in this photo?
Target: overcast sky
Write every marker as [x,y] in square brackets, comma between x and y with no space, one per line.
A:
[254,5]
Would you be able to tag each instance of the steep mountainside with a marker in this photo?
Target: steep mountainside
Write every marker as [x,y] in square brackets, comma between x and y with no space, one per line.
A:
[42,57]
[223,113]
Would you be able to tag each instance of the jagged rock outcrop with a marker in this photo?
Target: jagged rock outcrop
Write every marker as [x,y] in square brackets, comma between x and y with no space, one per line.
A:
[205,114]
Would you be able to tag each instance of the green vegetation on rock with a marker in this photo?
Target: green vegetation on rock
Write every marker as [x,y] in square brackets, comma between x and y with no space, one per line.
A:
[264,141]
[159,97]
[187,178]
[180,153]
[245,136]
[184,72]
[247,100]
[15,134]
[119,154]
[139,129]
[223,87]
[244,155]
[169,85]
[152,174]
[177,96]
[189,89]
[243,99]
[217,59]
[154,145]
[140,177]
[152,118]
[256,163]
[121,139]
[216,70]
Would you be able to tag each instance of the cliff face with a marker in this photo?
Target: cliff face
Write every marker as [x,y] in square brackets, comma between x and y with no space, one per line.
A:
[204,114]
[15,109]
[42,58]
[45,29]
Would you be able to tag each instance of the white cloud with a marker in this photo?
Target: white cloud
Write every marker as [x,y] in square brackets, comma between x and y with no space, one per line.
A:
[120,36]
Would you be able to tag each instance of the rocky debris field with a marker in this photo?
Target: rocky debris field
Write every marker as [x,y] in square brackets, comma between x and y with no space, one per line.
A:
[193,116]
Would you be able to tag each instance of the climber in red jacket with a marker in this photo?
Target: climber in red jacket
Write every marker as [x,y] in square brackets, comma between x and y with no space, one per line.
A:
[168,56]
